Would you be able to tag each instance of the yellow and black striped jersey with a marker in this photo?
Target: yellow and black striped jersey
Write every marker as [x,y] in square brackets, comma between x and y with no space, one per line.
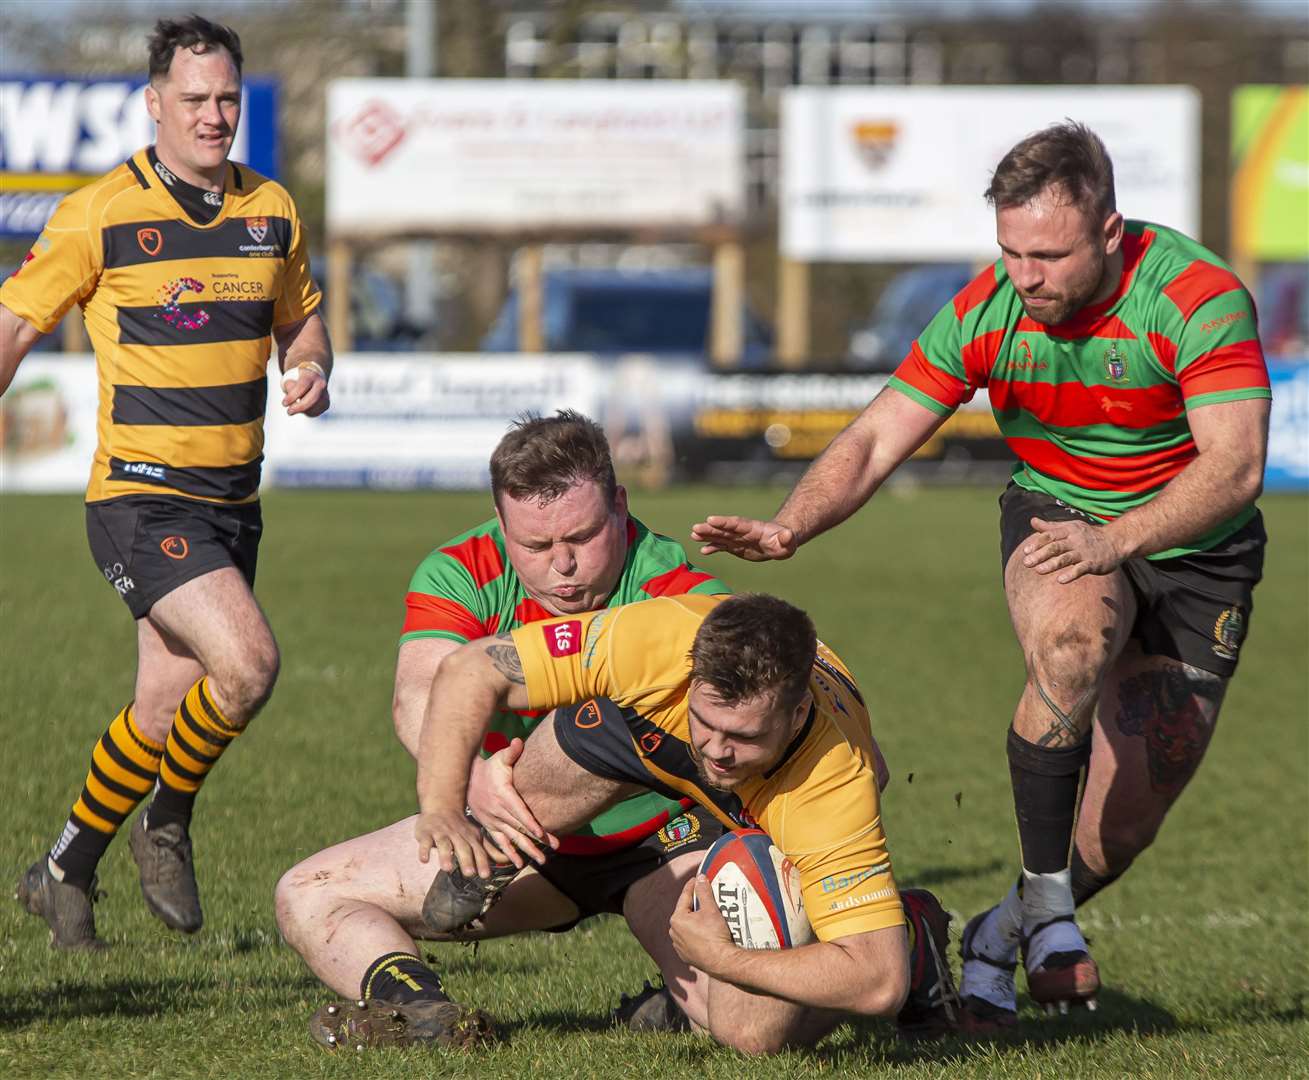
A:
[820,803]
[180,316]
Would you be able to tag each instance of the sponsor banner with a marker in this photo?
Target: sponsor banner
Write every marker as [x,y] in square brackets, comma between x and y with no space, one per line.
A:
[897,174]
[432,421]
[58,133]
[1270,172]
[420,422]
[1288,432]
[781,417]
[468,155]
[47,424]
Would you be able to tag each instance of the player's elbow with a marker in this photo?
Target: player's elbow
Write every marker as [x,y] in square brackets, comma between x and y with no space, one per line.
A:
[882,992]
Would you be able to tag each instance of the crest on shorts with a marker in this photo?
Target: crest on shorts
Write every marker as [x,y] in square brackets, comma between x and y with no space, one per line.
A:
[680,832]
[257,227]
[151,240]
[1115,364]
[175,547]
[1229,632]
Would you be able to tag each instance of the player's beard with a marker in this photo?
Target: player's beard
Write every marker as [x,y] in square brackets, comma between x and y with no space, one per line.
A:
[708,778]
[1078,294]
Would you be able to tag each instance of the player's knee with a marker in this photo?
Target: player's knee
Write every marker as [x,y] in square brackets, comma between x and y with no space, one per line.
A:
[1068,664]
[1120,844]
[288,900]
[756,1039]
[246,684]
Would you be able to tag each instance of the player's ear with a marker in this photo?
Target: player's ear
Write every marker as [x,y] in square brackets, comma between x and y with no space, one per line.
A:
[1113,232]
[620,501]
[152,104]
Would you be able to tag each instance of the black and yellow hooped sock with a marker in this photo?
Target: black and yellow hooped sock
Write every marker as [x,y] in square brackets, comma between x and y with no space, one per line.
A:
[197,739]
[124,765]
[401,978]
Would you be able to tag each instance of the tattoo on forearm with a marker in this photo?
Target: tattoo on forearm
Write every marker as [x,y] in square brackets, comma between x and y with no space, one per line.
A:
[1175,709]
[506,659]
[1068,728]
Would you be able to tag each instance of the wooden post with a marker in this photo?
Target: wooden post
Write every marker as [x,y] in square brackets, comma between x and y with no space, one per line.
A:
[531,333]
[338,295]
[792,312]
[72,332]
[727,314]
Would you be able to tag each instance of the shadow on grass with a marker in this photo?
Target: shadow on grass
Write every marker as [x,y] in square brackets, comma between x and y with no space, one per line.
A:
[933,876]
[123,997]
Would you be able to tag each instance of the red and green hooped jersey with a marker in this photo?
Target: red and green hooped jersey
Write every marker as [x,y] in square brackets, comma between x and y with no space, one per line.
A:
[1095,409]
[467,589]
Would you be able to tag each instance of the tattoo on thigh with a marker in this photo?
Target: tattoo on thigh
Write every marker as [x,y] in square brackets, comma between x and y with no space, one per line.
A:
[1174,708]
[506,659]
[1067,728]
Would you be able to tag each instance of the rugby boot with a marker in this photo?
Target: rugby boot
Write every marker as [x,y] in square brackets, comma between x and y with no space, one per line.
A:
[988,996]
[366,1025]
[1060,971]
[932,1006]
[163,856]
[653,1009]
[65,908]
[453,900]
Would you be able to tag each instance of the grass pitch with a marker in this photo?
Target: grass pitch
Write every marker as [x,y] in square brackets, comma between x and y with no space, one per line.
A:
[1202,946]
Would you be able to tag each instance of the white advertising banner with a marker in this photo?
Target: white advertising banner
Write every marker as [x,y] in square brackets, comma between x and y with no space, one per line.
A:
[47,424]
[897,174]
[504,154]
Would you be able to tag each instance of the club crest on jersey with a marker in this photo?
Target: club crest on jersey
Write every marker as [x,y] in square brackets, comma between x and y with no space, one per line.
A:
[565,638]
[1229,632]
[151,241]
[257,227]
[679,833]
[1115,364]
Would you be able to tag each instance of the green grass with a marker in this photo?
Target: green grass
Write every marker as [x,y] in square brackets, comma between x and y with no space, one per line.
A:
[1203,945]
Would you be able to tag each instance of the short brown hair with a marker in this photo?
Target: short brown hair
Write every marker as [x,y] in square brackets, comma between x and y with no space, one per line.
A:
[1067,156]
[543,456]
[753,644]
[193,32]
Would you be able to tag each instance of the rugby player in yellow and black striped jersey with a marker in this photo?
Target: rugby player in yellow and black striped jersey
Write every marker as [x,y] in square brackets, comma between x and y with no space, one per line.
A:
[186,267]
[730,701]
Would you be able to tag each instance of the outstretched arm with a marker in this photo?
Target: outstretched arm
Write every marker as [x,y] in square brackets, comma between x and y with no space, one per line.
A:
[839,482]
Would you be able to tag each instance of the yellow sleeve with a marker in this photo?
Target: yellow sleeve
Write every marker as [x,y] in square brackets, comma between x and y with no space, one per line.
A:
[637,654]
[62,268]
[830,827]
[299,296]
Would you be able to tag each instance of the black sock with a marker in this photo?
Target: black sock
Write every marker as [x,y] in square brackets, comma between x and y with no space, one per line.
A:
[1045,784]
[401,979]
[1086,882]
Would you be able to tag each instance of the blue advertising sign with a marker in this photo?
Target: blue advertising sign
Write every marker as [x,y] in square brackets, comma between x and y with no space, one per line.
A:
[58,133]
[1288,432]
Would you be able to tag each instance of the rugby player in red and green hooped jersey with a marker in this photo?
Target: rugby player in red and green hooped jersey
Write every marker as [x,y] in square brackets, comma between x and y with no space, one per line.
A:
[1123,365]
[561,543]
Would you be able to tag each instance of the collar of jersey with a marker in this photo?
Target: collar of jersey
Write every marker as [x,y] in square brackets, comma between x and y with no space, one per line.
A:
[160,190]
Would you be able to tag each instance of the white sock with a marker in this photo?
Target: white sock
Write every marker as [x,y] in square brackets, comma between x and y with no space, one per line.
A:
[1046,897]
[997,937]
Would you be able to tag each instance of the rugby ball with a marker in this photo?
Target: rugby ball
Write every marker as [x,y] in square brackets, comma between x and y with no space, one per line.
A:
[757,889]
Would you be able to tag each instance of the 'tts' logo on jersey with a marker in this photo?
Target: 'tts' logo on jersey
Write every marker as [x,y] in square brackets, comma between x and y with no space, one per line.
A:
[565,638]
[151,241]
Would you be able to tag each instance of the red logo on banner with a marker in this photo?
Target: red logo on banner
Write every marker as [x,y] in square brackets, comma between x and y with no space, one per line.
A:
[563,639]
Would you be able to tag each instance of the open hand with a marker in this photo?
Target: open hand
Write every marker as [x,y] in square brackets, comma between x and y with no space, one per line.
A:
[1071,549]
[746,538]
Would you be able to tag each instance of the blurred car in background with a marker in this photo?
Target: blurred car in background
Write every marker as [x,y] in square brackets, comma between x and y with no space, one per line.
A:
[905,307]
[377,311]
[608,312]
